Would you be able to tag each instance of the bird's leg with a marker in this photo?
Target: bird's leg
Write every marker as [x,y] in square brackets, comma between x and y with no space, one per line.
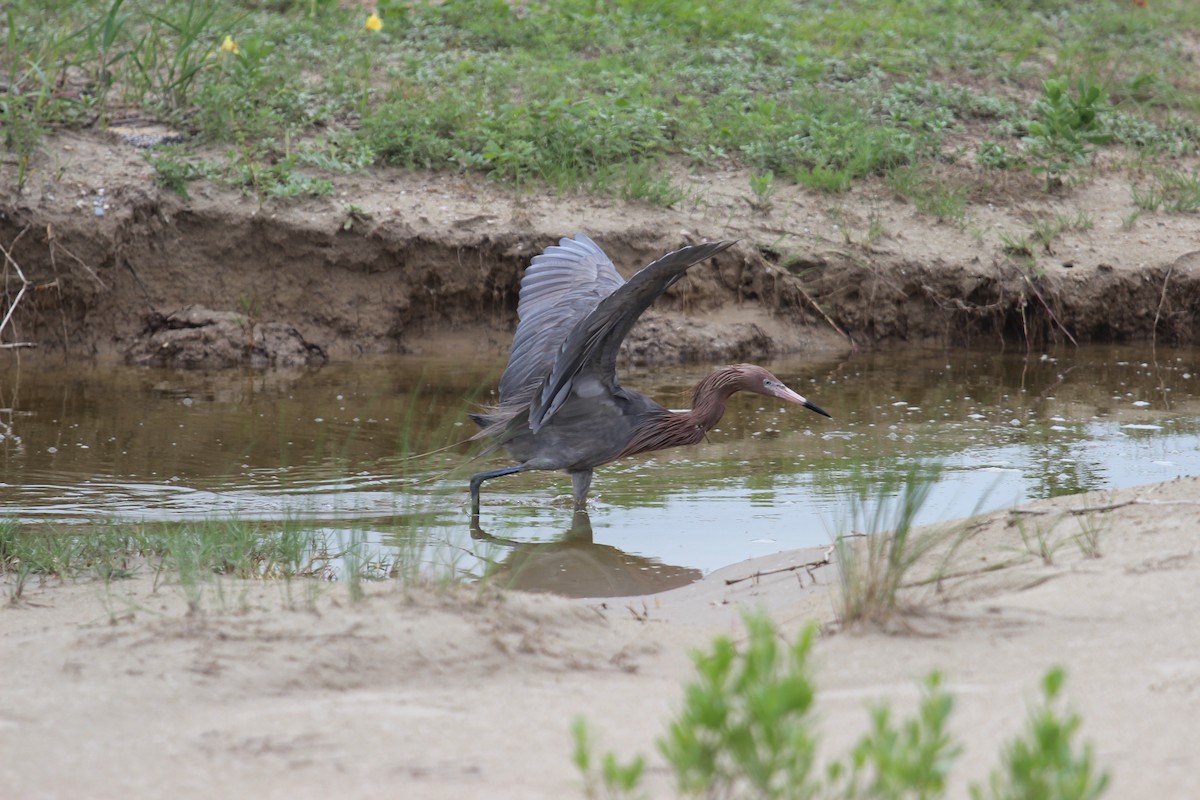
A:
[581,481]
[477,481]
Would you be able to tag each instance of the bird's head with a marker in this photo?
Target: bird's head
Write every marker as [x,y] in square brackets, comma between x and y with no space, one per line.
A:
[753,378]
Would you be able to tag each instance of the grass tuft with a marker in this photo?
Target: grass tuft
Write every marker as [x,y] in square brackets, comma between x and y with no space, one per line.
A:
[1171,190]
[193,554]
[875,561]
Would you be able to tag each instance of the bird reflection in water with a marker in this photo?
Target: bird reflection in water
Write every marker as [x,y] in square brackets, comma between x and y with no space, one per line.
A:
[574,565]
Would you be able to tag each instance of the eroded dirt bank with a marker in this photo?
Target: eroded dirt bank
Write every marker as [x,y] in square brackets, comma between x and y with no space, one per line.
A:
[406,262]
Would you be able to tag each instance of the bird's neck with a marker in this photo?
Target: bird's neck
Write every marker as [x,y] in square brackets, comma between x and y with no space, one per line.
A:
[675,429]
[708,399]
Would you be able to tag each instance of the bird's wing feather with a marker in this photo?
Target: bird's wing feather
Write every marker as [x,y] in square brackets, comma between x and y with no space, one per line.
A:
[561,287]
[593,343]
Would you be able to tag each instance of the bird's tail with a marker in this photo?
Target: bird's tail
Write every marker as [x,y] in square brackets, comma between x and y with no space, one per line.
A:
[501,424]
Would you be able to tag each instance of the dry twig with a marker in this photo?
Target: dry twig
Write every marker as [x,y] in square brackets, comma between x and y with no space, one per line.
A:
[825,560]
[812,302]
[1137,501]
[1050,311]
[1162,298]
[25,284]
[55,243]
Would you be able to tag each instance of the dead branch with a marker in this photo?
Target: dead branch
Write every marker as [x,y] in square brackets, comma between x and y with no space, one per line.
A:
[1137,501]
[50,237]
[812,302]
[825,560]
[968,573]
[828,319]
[1162,298]
[640,616]
[1050,311]
[25,284]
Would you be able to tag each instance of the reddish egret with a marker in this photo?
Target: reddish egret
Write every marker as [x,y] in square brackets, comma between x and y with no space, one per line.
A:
[560,404]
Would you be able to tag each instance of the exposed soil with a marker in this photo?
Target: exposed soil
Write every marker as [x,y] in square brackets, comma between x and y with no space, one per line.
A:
[199,338]
[433,262]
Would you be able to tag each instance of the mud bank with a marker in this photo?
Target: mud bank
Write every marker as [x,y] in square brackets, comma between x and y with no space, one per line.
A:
[405,262]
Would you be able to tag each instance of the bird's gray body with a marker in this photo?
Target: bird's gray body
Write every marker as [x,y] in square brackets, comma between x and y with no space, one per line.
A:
[561,406]
[591,427]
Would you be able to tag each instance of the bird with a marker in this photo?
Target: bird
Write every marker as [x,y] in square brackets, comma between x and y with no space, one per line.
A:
[561,406]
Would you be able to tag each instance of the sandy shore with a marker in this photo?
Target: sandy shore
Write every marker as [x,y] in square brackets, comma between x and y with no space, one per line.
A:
[277,691]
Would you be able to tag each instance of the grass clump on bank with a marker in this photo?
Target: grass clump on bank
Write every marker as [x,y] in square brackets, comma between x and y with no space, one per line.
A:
[600,97]
[191,554]
[876,558]
[746,730]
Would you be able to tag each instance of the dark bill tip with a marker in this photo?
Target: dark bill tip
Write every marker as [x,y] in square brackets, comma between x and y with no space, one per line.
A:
[811,406]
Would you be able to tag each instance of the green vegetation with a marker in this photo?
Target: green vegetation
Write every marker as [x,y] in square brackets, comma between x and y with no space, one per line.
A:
[746,730]
[1040,541]
[1042,235]
[941,199]
[601,97]
[881,545]
[746,719]
[1045,762]
[1039,537]
[1066,127]
[1172,190]
[762,185]
[190,553]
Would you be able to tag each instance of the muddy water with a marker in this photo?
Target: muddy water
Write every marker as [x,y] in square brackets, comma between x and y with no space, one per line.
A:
[334,449]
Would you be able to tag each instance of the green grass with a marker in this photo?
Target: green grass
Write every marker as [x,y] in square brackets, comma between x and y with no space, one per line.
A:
[189,554]
[601,97]
[938,198]
[747,729]
[880,544]
[1171,190]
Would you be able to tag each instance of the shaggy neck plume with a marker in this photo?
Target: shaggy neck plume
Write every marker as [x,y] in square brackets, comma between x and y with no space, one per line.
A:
[669,429]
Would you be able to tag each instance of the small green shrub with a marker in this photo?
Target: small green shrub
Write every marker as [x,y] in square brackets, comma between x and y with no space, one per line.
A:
[612,779]
[909,760]
[762,185]
[995,155]
[940,199]
[746,730]
[1046,763]
[172,170]
[745,726]
[1066,128]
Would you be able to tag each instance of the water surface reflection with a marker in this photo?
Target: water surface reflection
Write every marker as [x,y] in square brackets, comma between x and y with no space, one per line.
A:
[82,444]
[575,565]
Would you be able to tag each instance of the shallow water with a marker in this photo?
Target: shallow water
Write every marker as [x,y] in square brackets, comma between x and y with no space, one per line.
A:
[332,448]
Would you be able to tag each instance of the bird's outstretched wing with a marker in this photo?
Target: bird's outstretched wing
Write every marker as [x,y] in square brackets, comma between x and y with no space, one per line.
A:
[561,287]
[593,343]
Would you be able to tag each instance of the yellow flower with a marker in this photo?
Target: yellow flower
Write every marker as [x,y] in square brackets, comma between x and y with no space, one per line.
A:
[374,23]
[229,45]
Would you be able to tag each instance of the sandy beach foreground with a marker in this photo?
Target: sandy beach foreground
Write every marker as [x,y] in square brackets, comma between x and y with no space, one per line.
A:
[286,691]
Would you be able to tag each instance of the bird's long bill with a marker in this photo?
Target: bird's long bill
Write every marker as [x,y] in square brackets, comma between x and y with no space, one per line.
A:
[784,393]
